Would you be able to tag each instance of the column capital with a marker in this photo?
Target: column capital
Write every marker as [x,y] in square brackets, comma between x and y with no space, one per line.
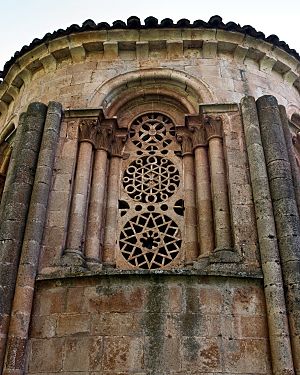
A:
[199,136]
[118,142]
[213,127]
[183,137]
[103,139]
[296,142]
[88,130]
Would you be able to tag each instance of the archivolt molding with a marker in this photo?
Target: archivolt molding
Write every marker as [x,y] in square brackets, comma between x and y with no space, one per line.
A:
[111,45]
[188,90]
[158,93]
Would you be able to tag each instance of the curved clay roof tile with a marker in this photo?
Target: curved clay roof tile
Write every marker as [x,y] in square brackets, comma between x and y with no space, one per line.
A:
[150,22]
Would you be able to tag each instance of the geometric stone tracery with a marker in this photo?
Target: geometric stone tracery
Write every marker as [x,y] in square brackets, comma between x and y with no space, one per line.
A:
[151,179]
[151,240]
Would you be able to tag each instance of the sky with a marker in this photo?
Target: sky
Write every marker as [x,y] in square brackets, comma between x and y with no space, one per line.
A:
[22,21]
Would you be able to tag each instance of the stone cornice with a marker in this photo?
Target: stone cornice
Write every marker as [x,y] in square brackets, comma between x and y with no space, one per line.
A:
[210,39]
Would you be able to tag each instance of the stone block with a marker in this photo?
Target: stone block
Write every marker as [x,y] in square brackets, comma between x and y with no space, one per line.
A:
[114,299]
[50,301]
[111,50]
[75,300]
[76,354]
[46,356]
[162,355]
[253,326]
[117,324]
[81,77]
[246,356]
[201,354]
[211,300]
[122,354]
[73,324]
[175,299]
[209,49]
[43,327]
[248,301]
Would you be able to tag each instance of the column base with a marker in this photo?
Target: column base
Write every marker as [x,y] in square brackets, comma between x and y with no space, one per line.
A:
[73,258]
[225,255]
[94,264]
[219,255]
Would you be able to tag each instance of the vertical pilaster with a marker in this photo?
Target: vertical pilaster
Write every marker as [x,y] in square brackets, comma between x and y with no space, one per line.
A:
[110,234]
[285,212]
[97,195]
[14,211]
[23,298]
[282,361]
[203,191]
[78,211]
[190,216]
[213,126]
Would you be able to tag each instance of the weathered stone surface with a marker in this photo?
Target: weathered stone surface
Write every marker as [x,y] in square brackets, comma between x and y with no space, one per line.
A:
[197,317]
[203,325]
[274,294]
[287,222]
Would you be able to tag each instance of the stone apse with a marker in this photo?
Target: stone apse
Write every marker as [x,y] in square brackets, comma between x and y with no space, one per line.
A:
[150,196]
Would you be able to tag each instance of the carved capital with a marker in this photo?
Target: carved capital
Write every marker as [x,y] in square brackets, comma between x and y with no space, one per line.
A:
[103,138]
[213,127]
[118,144]
[186,144]
[88,130]
[296,142]
[199,137]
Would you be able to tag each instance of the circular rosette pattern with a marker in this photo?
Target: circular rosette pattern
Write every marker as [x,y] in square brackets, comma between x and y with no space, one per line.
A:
[150,240]
[151,179]
[150,129]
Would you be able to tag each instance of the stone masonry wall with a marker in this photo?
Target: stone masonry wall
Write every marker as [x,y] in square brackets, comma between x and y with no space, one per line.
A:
[149,325]
[74,85]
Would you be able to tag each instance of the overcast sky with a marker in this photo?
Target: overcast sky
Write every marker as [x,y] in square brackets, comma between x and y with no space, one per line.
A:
[22,21]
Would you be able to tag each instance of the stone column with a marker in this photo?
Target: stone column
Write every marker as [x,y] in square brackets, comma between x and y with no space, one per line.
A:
[17,193]
[73,254]
[97,198]
[219,188]
[282,361]
[203,192]
[23,298]
[113,185]
[291,153]
[285,212]
[190,216]
[17,145]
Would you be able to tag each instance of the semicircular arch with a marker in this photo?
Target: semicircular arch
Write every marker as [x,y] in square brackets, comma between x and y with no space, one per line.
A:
[188,90]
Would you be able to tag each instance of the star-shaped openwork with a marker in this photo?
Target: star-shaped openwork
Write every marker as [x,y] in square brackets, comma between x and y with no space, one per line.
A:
[150,240]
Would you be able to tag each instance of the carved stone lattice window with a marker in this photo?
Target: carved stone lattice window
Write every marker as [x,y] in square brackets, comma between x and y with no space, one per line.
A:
[151,179]
[150,206]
